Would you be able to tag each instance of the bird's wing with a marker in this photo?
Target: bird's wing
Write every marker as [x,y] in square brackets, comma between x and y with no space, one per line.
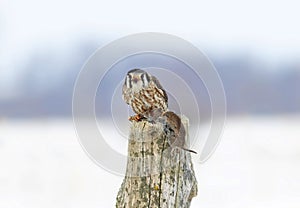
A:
[157,83]
[125,94]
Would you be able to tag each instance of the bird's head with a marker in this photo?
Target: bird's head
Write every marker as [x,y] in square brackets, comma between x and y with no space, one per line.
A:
[137,79]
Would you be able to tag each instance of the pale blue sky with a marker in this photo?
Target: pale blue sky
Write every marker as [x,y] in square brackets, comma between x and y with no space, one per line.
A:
[270,29]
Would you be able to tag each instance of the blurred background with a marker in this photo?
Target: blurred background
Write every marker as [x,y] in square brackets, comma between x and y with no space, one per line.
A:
[255,47]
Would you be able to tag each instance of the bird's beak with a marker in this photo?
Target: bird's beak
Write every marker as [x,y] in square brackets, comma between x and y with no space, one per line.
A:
[135,80]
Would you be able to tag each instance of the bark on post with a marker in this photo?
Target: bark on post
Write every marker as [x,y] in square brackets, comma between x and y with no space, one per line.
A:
[157,175]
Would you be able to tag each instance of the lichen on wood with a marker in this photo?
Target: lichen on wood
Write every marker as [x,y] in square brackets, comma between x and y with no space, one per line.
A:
[157,175]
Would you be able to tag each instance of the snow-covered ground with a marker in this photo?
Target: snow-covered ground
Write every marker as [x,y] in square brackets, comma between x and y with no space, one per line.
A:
[256,165]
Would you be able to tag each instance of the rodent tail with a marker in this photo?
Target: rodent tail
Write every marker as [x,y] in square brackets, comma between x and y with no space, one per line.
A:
[192,151]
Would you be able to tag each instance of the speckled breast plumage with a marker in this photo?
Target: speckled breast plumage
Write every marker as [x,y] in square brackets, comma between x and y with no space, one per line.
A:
[147,100]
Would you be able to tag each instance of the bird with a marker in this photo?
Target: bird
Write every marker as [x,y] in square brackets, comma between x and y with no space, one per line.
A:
[146,96]
[174,130]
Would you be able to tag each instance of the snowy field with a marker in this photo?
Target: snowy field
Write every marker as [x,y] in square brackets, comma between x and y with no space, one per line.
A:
[256,165]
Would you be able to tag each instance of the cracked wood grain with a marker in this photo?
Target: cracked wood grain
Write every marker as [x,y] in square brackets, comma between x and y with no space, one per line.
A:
[157,175]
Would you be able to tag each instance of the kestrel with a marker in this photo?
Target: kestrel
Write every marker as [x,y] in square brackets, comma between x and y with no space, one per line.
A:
[145,95]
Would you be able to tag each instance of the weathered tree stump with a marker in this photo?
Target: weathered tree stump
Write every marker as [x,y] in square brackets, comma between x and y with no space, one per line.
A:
[157,175]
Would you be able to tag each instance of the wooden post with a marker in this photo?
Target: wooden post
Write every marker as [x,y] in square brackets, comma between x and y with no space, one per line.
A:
[157,175]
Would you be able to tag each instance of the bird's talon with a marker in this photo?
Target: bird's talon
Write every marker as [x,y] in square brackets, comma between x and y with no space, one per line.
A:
[136,118]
